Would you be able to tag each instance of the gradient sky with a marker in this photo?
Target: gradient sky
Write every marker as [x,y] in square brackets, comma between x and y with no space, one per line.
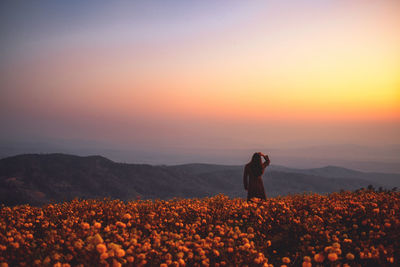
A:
[201,74]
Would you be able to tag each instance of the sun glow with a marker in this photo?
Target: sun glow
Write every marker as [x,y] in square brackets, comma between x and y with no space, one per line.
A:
[311,61]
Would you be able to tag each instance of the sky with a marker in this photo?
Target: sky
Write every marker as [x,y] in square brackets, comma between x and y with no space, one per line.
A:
[185,76]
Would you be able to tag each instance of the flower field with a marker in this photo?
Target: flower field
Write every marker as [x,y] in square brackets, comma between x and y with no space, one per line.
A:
[346,229]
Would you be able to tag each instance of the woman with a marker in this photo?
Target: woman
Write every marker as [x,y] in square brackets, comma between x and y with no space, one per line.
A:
[254,170]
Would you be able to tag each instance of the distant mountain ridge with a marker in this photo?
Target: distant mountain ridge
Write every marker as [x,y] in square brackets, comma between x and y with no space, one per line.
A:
[43,178]
[367,158]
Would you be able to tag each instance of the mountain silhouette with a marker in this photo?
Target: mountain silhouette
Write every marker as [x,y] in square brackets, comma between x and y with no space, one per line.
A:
[38,179]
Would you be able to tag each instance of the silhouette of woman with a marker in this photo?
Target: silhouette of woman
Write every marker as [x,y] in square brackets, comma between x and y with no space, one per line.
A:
[254,170]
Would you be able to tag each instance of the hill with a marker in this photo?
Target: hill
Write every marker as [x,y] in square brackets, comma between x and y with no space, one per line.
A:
[43,178]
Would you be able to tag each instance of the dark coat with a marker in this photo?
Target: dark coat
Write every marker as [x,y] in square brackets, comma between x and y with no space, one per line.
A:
[253,183]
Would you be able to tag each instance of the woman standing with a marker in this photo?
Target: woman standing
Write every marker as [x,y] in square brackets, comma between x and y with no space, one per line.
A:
[254,170]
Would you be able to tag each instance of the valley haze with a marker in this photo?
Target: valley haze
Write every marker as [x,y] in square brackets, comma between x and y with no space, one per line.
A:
[369,158]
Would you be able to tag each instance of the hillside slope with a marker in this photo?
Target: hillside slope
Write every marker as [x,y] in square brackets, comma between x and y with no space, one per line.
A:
[42,178]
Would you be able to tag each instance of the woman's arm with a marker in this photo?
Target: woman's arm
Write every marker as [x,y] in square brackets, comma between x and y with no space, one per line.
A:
[267,161]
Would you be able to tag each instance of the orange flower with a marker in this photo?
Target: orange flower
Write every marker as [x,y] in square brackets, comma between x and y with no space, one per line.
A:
[101,248]
[332,256]
[202,231]
[120,253]
[319,258]
[104,255]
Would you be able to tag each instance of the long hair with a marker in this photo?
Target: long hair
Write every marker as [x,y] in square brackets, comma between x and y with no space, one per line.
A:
[256,164]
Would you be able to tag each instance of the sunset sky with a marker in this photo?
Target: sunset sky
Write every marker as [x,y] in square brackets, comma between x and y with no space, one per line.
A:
[183,75]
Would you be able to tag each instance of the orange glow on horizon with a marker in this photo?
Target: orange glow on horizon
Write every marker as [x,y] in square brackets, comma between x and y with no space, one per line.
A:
[323,63]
